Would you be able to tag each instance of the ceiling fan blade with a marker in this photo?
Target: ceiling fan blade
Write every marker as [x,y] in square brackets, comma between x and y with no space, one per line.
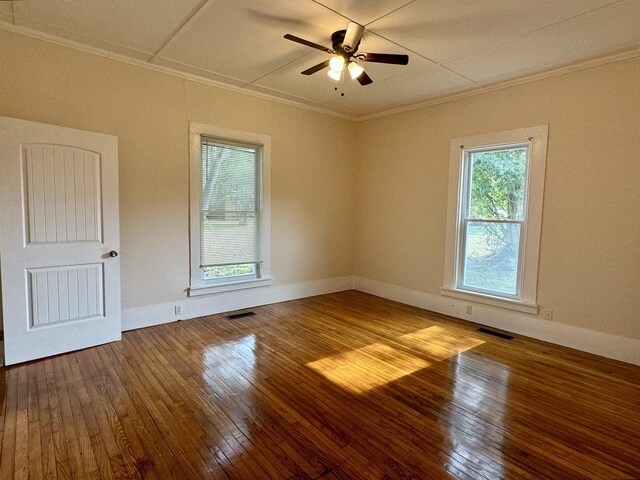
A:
[392,58]
[316,68]
[364,79]
[352,37]
[302,41]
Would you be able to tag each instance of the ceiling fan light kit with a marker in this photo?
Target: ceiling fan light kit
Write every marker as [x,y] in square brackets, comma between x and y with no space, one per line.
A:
[355,70]
[345,45]
[334,75]
[337,63]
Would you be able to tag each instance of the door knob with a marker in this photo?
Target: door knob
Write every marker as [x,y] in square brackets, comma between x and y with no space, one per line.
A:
[113,253]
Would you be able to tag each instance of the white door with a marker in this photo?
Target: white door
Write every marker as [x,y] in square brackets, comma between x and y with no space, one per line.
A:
[59,239]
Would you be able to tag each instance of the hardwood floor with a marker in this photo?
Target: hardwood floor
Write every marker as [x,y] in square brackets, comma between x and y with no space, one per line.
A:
[341,386]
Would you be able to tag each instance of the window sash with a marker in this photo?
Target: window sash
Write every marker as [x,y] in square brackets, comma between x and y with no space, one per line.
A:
[460,277]
[255,214]
[464,218]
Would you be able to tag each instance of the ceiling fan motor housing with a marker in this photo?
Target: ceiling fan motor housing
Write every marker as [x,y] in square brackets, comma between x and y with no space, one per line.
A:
[337,42]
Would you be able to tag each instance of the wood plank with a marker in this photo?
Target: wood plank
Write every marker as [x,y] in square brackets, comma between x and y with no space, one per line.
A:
[274,396]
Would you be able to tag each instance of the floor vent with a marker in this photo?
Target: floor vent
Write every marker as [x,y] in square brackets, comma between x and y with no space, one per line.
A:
[496,334]
[240,315]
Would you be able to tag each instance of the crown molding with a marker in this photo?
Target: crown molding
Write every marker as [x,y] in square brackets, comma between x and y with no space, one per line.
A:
[29,32]
[591,63]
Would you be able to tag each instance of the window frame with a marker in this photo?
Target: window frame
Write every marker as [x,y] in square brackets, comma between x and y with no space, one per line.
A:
[197,285]
[459,188]
[463,219]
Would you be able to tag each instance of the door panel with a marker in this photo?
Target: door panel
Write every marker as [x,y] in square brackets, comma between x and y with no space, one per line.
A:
[59,221]
[65,294]
[62,186]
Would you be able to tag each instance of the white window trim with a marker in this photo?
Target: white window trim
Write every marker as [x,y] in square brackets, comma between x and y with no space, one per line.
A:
[537,138]
[197,285]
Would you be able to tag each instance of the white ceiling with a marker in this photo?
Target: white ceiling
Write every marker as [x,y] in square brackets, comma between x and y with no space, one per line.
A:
[453,45]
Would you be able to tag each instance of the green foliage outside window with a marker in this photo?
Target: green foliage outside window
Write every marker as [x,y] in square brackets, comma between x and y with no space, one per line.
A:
[496,193]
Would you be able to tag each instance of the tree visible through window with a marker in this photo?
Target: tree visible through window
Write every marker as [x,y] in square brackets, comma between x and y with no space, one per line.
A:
[494,218]
[493,212]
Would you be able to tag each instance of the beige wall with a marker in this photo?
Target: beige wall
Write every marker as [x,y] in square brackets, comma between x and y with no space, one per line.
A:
[590,248]
[381,217]
[312,166]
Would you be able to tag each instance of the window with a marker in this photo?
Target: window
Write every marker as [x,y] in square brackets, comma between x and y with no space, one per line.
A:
[494,217]
[229,209]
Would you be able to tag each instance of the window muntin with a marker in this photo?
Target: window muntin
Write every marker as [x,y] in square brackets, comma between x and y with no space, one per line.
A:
[230,210]
[492,220]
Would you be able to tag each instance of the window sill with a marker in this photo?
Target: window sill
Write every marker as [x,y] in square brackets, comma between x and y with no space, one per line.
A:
[206,289]
[519,306]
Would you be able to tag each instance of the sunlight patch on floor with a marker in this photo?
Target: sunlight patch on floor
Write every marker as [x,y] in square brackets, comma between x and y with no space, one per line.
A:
[368,367]
[439,342]
[377,364]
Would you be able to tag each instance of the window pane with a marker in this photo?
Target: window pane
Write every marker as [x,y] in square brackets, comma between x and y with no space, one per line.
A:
[211,273]
[229,239]
[491,256]
[230,204]
[497,184]
[228,178]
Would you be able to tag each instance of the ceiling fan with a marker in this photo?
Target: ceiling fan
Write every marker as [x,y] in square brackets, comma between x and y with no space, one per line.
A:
[345,45]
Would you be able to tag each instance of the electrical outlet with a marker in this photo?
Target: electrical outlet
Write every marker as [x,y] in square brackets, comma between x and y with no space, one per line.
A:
[178,309]
[469,309]
[548,314]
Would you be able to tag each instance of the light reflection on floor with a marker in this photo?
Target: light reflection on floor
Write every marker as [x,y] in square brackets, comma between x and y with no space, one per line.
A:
[363,369]
[439,343]
[223,362]
[229,372]
[480,391]
[377,364]
[368,367]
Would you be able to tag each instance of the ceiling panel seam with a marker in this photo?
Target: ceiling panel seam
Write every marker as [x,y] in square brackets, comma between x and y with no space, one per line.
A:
[573,17]
[279,68]
[190,16]
[389,13]
[401,46]
[331,9]
[527,33]
[459,74]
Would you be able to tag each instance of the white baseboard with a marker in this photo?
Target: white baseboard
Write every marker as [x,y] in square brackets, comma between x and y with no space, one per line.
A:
[192,307]
[599,343]
[149,315]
